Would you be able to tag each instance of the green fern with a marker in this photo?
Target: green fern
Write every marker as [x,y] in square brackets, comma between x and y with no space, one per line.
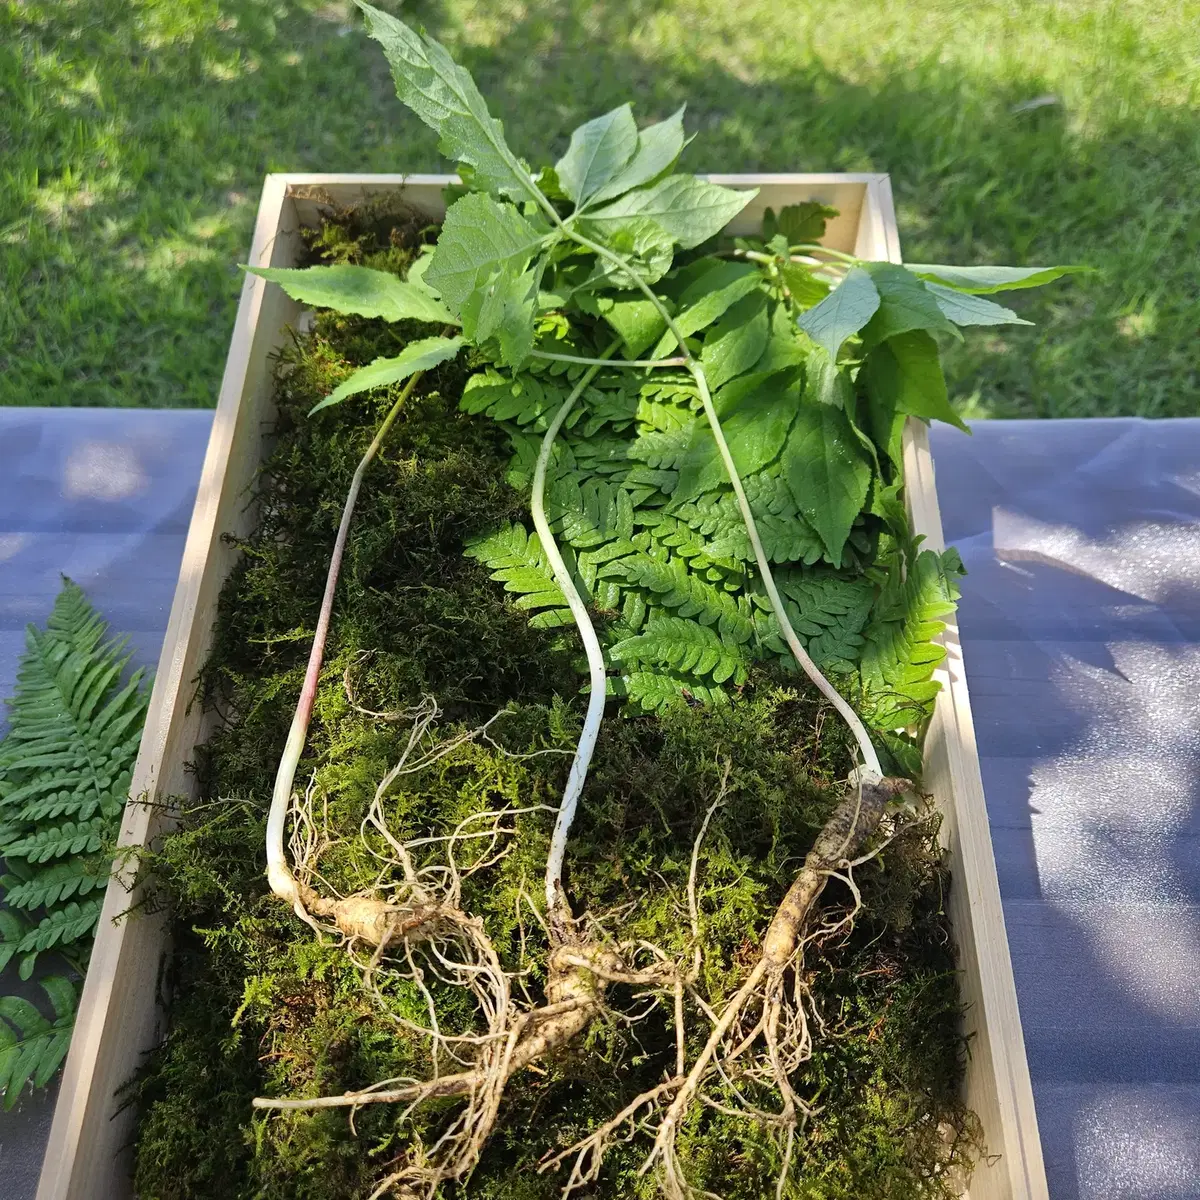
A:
[900,655]
[649,691]
[517,560]
[684,646]
[32,1047]
[65,768]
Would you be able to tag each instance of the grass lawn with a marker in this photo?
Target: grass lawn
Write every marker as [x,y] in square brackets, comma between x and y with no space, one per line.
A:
[134,135]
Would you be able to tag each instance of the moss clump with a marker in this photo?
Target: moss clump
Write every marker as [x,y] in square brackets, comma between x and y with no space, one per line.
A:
[263,1008]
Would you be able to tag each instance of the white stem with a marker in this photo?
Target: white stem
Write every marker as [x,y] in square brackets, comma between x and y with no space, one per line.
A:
[587,633]
[871,771]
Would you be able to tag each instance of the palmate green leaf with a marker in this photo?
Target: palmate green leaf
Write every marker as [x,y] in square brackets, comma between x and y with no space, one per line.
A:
[736,342]
[636,320]
[479,237]
[803,286]
[965,309]
[445,97]
[825,382]
[421,355]
[32,1048]
[598,151]
[846,310]
[904,374]
[827,472]
[691,210]
[658,146]
[905,303]
[347,288]
[986,280]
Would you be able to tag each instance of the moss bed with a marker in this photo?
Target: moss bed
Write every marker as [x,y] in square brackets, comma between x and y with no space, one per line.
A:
[261,1007]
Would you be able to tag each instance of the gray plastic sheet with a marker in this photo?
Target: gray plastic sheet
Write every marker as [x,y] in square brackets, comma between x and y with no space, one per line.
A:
[1080,622]
[1081,632]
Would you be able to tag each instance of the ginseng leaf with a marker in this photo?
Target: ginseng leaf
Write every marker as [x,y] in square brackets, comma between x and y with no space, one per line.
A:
[658,146]
[416,356]
[965,309]
[479,237]
[598,151]
[504,308]
[842,313]
[827,472]
[637,321]
[905,304]
[445,97]
[804,222]
[904,374]
[736,342]
[691,210]
[982,281]
[802,285]
[641,240]
[755,412]
[709,298]
[346,288]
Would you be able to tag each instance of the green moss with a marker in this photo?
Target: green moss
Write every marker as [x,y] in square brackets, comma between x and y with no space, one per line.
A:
[262,1007]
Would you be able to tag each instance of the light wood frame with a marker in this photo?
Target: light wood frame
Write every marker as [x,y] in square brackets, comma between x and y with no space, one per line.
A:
[121,1009]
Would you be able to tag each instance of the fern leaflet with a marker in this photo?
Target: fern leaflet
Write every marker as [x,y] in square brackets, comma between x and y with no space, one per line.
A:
[32,1047]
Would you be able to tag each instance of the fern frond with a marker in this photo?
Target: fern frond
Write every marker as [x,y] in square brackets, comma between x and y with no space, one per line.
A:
[900,655]
[33,1047]
[525,399]
[71,837]
[651,691]
[516,559]
[62,926]
[53,884]
[12,929]
[675,587]
[684,646]
[829,613]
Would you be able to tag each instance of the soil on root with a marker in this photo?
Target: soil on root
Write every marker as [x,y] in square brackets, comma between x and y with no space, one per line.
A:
[261,1007]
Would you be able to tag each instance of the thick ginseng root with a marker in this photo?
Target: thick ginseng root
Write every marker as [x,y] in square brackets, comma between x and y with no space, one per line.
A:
[418,930]
[761,1034]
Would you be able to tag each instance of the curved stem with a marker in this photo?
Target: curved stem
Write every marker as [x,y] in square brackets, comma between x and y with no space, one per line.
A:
[616,362]
[870,758]
[279,873]
[591,644]
[810,668]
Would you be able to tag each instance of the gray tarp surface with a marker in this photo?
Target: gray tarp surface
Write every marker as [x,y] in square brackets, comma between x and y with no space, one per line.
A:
[1081,630]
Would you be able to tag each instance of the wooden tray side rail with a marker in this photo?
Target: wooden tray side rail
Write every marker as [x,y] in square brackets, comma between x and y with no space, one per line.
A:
[121,1008]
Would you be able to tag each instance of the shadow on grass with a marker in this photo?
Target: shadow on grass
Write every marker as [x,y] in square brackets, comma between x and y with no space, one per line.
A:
[150,129]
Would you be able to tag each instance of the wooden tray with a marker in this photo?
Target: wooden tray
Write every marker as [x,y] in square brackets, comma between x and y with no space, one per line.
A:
[121,1014]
